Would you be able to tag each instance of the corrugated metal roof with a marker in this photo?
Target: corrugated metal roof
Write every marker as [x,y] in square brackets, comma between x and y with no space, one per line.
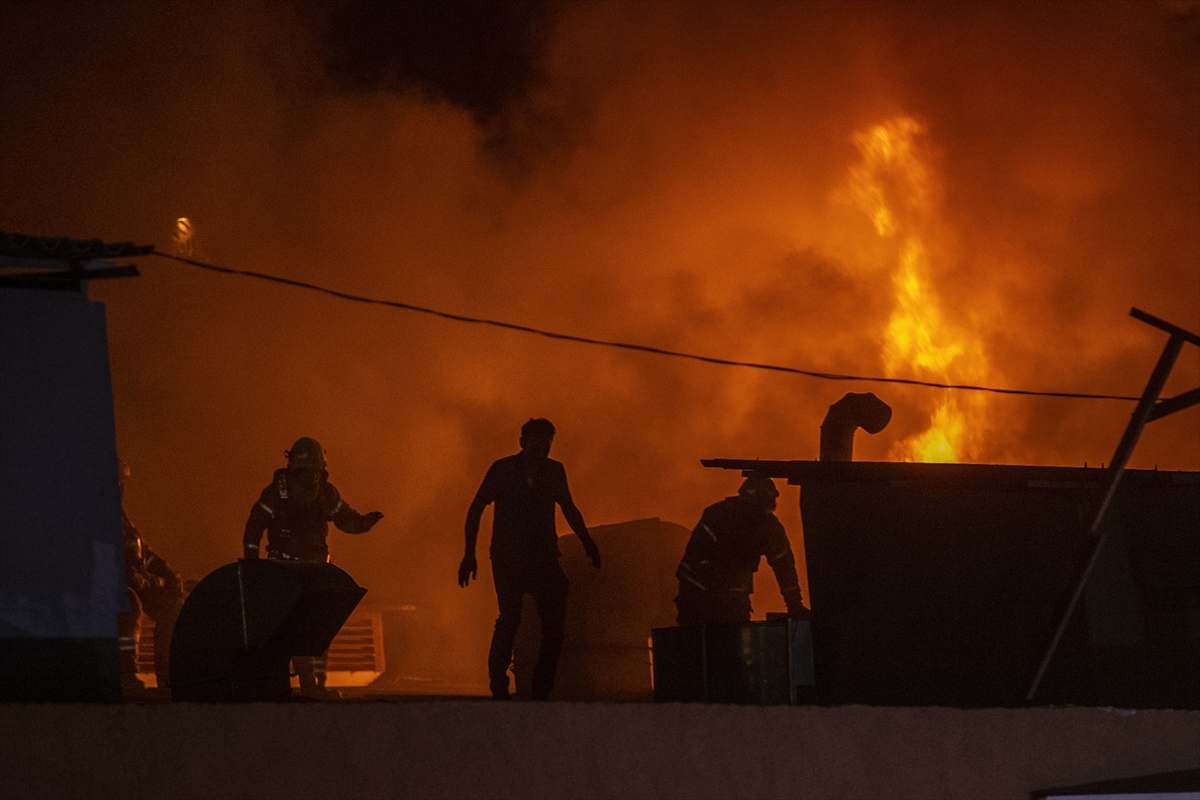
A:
[62,248]
[954,475]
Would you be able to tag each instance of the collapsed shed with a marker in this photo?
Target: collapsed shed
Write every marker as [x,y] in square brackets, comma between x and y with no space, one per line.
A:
[940,584]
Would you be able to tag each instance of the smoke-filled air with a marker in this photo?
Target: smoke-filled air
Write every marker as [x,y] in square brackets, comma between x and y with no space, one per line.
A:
[959,193]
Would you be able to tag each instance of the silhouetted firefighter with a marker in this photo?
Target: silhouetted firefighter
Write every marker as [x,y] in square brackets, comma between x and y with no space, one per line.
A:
[295,510]
[154,589]
[525,488]
[716,575]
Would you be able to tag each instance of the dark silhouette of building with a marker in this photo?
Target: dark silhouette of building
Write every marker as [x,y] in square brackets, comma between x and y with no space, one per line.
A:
[938,584]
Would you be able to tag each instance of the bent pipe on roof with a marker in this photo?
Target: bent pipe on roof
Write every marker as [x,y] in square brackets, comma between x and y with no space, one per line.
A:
[847,415]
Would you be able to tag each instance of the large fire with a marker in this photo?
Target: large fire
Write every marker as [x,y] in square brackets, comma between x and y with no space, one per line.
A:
[667,180]
[893,185]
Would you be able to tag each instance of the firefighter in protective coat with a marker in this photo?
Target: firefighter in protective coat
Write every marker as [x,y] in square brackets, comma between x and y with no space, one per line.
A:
[716,575]
[155,590]
[295,511]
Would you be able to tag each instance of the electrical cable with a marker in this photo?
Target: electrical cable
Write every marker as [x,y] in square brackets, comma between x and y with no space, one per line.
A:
[828,376]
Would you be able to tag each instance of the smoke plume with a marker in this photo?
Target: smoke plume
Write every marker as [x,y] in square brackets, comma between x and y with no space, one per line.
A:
[670,174]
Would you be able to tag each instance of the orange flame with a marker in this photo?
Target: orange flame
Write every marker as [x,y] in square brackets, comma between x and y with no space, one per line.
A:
[893,186]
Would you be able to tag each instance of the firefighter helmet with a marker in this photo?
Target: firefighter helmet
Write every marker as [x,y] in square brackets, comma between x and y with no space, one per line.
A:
[758,486]
[306,452]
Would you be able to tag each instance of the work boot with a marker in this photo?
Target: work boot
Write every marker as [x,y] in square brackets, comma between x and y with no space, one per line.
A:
[131,685]
[320,693]
[500,689]
[320,673]
[313,688]
[306,677]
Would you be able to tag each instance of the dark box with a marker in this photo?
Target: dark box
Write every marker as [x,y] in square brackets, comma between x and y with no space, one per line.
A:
[758,663]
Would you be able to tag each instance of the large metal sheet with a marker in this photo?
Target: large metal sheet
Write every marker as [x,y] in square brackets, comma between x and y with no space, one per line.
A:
[242,624]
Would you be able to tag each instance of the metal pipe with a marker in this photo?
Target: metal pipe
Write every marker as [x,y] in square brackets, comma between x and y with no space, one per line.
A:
[847,415]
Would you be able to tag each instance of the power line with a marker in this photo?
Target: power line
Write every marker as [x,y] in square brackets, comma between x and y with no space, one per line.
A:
[828,376]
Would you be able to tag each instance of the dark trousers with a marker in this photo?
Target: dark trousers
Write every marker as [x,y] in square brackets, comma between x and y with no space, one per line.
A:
[160,604]
[547,584]
[129,630]
[311,671]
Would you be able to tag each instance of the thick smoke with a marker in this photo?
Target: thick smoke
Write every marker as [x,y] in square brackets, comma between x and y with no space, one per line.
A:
[677,177]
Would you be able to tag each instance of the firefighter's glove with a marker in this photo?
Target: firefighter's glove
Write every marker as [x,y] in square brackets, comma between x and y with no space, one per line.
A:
[251,552]
[467,570]
[593,552]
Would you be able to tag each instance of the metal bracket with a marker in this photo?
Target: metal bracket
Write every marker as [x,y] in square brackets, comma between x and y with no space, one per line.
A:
[1149,408]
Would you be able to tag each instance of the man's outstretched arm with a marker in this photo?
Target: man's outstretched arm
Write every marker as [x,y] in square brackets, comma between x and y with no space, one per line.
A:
[783,563]
[348,520]
[575,520]
[469,568]
[260,517]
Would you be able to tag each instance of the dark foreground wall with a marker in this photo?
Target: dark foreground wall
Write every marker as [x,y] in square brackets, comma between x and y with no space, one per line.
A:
[62,570]
[466,749]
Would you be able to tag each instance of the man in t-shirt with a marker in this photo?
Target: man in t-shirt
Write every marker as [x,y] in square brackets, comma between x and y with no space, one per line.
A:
[525,488]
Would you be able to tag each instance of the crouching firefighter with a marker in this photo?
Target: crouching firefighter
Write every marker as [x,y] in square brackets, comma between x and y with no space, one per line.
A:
[716,575]
[295,510]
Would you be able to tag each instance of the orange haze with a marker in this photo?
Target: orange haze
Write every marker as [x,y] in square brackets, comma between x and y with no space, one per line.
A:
[691,176]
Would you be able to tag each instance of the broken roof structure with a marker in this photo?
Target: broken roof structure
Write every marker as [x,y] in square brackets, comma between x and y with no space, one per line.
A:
[40,262]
